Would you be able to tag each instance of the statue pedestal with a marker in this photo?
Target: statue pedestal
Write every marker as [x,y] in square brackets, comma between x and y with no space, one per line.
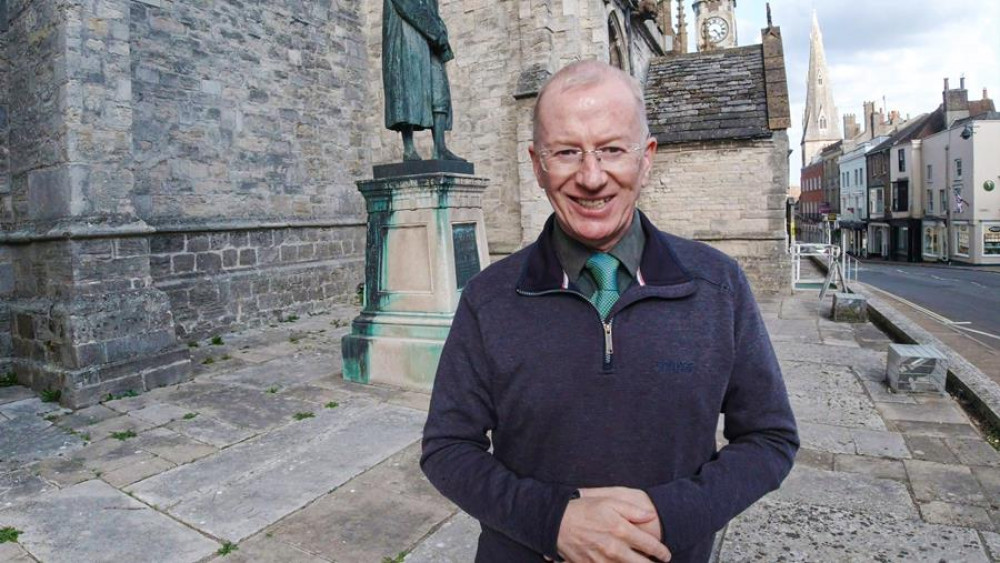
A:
[426,238]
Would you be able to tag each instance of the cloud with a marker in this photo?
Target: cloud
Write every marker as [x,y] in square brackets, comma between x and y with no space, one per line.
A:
[883,48]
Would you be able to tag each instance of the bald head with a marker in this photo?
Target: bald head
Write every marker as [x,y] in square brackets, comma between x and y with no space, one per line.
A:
[583,74]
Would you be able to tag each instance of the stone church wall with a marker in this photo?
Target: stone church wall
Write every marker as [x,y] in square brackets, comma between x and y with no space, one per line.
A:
[6,258]
[249,132]
[699,191]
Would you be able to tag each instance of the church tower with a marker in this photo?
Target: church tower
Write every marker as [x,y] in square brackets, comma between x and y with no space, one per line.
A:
[715,24]
[821,122]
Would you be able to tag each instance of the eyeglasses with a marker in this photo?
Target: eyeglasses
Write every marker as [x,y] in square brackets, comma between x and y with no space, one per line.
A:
[568,161]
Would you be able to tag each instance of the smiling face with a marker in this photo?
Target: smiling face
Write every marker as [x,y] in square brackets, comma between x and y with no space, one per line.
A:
[593,205]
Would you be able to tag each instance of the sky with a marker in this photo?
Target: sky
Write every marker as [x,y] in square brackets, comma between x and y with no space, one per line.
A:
[899,50]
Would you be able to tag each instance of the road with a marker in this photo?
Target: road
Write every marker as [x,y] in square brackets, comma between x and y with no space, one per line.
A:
[960,295]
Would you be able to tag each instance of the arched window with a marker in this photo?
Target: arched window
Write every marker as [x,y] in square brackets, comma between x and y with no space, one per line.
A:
[822,122]
[616,44]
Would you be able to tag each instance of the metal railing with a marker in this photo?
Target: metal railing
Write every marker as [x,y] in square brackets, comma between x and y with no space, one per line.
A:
[827,253]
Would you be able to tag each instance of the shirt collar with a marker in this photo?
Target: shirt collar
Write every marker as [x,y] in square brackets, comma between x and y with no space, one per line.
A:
[573,254]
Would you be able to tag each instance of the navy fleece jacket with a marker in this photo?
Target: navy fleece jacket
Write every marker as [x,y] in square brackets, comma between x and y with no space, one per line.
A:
[572,402]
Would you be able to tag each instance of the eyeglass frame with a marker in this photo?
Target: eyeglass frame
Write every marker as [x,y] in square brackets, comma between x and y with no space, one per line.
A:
[544,154]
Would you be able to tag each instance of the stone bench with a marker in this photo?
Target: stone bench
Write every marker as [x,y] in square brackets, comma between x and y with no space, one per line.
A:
[850,308]
[916,368]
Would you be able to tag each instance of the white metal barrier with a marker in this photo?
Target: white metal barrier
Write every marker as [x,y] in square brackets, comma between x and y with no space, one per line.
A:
[830,254]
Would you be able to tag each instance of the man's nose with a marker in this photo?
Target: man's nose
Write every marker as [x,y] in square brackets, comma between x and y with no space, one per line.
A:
[591,175]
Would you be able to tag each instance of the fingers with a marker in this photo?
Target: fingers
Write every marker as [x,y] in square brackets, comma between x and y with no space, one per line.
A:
[602,528]
[643,542]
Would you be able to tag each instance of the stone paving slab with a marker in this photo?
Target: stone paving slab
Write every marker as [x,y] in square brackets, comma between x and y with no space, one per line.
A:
[827,438]
[839,409]
[793,330]
[15,393]
[974,452]
[246,487]
[939,413]
[29,438]
[881,444]
[349,524]
[992,544]
[947,483]
[83,418]
[13,553]
[160,414]
[107,428]
[210,431]
[63,471]
[33,407]
[927,448]
[94,522]
[253,409]
[142,466]
[934,429]
[262,549]
[290,370]
[881,393]
[791,532]
[18,486]
[846,491]
[826,355]
[454,542]
[878,468]
[936,512]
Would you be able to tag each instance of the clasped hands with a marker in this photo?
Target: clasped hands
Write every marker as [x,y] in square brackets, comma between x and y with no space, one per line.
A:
[615,524]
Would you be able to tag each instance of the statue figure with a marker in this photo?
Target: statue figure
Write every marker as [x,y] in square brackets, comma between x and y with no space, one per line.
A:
[415,49]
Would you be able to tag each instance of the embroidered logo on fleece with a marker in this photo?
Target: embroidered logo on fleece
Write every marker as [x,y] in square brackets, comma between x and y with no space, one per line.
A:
[674,367]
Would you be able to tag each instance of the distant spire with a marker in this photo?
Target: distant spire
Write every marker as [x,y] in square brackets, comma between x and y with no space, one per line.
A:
[681,39]
[821,121]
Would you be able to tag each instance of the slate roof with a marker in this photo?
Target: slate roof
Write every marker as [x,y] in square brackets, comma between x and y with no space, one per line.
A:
[717,95]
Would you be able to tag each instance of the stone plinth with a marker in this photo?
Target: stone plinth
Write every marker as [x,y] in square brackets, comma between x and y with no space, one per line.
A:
[850,308]
[916,369]
[426,238]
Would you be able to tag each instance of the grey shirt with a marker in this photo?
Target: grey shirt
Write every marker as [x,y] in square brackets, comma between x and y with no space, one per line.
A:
[573,256]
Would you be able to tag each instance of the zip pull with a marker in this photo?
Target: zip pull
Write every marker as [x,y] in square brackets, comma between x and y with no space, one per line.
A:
[609,349]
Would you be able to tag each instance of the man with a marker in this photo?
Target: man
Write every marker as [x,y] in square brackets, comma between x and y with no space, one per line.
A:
[417,95]
[599,358]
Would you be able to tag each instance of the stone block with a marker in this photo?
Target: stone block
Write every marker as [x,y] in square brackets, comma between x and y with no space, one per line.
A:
[914,368]
[850,308]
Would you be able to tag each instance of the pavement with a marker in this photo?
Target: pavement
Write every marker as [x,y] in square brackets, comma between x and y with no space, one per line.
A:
[268,455]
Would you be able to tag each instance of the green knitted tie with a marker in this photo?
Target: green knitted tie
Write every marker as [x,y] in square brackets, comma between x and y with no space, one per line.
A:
[604,268]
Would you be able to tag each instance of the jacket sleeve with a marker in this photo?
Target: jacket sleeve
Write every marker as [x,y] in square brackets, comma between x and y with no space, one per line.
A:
[761,433]
[455,447]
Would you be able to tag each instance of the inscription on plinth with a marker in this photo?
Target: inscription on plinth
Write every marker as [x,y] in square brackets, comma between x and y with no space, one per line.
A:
[466,253]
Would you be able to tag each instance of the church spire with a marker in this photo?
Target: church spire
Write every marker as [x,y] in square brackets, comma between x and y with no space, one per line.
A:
[821,122]
[681,39]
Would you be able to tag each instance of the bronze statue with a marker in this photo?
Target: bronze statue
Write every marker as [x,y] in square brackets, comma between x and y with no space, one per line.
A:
[415,49]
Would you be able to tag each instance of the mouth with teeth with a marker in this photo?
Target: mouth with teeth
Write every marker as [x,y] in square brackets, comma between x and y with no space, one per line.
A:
[592,203]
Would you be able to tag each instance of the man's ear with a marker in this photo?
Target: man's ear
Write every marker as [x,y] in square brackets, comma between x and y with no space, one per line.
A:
[536,164]
[648,154]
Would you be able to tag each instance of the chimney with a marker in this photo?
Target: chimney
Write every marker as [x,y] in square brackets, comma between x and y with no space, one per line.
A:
[893,116]
[851,128]
[961,83]
[956,103]
[986,94]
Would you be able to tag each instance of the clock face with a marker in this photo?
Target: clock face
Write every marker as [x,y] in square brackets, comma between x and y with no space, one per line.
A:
[716,29]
